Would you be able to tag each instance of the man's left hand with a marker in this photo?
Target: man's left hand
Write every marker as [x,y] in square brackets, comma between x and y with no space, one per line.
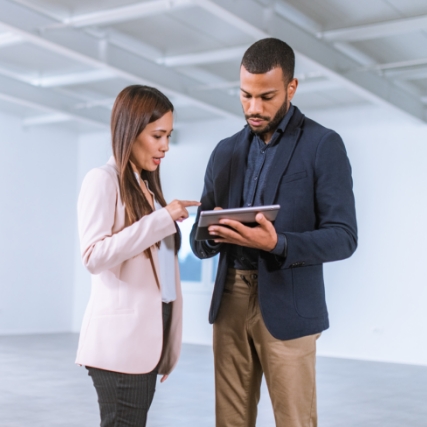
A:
[263,236]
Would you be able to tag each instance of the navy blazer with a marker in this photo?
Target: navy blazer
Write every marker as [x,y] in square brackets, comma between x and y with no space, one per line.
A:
[311,181]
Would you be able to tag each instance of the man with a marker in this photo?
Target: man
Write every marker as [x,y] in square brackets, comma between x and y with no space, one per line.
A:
[268,305]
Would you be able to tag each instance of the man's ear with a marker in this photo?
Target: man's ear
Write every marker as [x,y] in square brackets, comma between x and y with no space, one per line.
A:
[292,88]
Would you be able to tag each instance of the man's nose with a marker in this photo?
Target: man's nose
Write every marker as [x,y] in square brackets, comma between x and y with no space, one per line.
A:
[255,106]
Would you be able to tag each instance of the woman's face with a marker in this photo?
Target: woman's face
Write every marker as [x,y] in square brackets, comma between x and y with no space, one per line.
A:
[152,143]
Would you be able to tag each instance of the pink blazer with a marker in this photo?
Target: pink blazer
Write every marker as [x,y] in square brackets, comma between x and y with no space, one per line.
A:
[122,327]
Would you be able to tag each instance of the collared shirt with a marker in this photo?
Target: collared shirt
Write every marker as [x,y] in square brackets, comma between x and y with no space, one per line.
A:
[260,160]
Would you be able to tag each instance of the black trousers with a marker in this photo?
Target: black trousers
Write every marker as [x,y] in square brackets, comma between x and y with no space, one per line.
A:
[124,399]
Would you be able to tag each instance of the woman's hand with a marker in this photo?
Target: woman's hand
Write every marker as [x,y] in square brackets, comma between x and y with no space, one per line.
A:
[177,209]
[164,378]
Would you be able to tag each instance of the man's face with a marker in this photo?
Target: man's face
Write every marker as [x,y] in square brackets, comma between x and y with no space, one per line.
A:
[265,99]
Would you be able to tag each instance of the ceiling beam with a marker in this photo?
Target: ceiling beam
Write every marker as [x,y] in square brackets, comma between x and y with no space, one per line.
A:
[73,78]
[36,98]
[399,64]
[46,119]
[354,53]
[85,49]
[123,13]
[13,74]
[378,30]
[9,39]
[305,85]
[206,57]
[417,73]
[251,29]
[131,44]
[57,13]
[58,80]
[200,75]
[334,64]
[316,85]
[221,85]
[290,13]
[106,103]
[244,15]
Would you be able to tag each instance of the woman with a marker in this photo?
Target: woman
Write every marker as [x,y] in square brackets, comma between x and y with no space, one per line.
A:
[129,240]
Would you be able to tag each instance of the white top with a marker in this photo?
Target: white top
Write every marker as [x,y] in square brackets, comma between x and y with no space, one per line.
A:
[167,265]
[166,260]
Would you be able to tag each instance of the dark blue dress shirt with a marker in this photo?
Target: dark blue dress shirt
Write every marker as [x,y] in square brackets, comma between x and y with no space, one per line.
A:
[260,159]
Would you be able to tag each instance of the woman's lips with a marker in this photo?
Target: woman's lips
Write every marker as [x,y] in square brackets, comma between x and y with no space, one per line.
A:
[157,160]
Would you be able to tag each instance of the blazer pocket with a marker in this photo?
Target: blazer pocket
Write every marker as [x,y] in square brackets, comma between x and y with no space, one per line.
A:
[309,291]
[294,177]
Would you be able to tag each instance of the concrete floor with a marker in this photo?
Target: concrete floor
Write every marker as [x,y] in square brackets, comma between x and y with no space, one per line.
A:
[41,387]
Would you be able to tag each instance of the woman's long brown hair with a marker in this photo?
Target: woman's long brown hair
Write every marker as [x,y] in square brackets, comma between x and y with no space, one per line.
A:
[135,107]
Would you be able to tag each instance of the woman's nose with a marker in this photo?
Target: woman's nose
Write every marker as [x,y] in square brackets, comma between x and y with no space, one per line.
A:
[165,146]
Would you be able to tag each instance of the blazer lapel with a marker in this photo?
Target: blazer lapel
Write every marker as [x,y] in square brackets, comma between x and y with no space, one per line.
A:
[283,156]
[238,169]
[154,260]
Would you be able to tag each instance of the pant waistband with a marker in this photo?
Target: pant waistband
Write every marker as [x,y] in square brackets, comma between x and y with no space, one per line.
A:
[250,277]
[233,271]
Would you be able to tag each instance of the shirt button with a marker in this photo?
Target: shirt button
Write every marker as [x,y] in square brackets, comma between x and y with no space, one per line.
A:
[242,259]
[255,178]
[262,151]
[249,204]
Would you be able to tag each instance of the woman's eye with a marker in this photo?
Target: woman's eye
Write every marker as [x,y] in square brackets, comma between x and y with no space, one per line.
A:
[157,136]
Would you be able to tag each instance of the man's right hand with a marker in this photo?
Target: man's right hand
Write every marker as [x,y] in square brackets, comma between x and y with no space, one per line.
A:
[177,209]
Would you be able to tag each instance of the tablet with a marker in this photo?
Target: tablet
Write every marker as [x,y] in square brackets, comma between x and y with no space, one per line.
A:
[244,215]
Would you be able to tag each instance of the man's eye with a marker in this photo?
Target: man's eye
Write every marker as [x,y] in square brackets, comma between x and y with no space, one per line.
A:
[267,98]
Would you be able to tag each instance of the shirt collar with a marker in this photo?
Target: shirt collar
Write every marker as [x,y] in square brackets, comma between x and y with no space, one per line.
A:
[284,123]
[280,129]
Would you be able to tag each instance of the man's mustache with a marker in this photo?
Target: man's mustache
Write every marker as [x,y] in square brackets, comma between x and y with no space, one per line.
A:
[256,116]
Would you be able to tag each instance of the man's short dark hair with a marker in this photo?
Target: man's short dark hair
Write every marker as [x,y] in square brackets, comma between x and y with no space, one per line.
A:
[266,54]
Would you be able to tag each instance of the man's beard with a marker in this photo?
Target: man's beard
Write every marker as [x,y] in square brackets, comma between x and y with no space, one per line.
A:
[271,123]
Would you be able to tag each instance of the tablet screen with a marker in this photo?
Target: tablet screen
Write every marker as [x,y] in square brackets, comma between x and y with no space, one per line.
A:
[244,215]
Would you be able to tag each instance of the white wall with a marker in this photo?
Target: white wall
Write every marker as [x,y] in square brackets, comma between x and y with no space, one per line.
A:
[377,299]
[37,222]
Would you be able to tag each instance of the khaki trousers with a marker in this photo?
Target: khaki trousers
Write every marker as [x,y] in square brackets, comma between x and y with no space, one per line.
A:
[244,350]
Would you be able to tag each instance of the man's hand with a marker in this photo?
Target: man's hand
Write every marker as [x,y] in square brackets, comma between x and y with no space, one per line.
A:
[263,236]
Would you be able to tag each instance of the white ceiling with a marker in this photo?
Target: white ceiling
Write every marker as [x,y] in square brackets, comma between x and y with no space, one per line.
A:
[64,61]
